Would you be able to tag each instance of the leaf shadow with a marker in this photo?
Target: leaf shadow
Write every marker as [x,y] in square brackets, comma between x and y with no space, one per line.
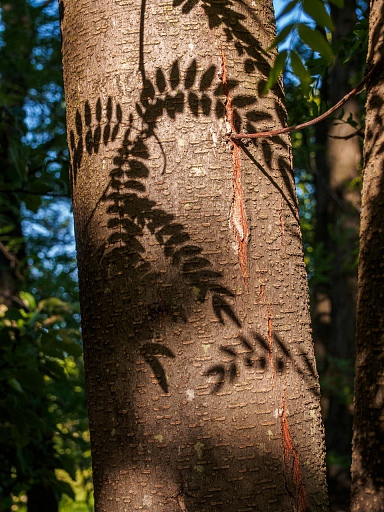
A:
[132,216]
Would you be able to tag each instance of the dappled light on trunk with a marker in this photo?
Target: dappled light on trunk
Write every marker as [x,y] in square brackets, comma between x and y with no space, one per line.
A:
[201,379]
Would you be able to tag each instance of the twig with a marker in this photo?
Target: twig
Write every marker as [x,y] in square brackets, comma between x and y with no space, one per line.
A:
[13,261]
[279,131]
[46,3]
[10,256]
[33,193]
[359,132]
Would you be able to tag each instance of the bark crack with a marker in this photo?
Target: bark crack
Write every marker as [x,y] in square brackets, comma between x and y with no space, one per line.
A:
[182,494]
[281,216]
[237,217]
[270,338]
[291,452]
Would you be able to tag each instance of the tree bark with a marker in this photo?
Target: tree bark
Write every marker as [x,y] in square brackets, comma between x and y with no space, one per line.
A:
[201,380]
[368,438]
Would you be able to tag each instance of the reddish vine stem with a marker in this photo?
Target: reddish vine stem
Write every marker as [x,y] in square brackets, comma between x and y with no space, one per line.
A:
[357,90]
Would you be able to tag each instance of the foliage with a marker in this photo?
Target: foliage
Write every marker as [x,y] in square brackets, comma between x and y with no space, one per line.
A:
[308,99]
[51,253]
[337,378]
[307,49]
[43,427]
[31,103]
[42,400]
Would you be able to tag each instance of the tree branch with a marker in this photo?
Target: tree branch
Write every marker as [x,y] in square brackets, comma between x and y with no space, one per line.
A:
[359,132]
[357,90]
[32,193]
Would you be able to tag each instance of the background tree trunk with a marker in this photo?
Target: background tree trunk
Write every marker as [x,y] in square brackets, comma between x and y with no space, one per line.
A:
[368,438]
[337,227]
[202,388]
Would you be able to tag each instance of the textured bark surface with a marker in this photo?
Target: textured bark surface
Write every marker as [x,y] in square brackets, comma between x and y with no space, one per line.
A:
[368,438]
[202,387]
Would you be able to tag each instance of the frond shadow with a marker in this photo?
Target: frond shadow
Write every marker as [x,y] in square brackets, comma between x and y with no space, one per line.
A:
[232,16]
[261,355]
[133,216]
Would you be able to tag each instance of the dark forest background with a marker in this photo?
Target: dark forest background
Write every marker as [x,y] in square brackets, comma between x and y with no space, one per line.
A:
[44,440]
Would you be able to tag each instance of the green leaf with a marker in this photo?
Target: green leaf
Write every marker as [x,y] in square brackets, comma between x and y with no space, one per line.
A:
[338,3]
[28,299]
[54,370]
[68,463]
[301,72]
[71,348]
[65,488]
[15,384]
[288,8]
[60,348]
[31,380]
[317,11]
[40,186]
[276,70]
[316,41]
[32,202]
[283,34]
[52,303]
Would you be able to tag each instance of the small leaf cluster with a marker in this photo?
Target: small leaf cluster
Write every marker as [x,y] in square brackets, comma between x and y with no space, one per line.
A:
[311,27]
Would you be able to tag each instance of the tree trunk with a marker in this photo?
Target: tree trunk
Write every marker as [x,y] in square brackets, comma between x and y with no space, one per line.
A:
[343,160]
[337,228]
[368,438]
[338,204]
[201,380]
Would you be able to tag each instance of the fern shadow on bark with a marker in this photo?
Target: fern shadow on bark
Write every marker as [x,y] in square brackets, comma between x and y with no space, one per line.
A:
[154,297]
[131,215]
